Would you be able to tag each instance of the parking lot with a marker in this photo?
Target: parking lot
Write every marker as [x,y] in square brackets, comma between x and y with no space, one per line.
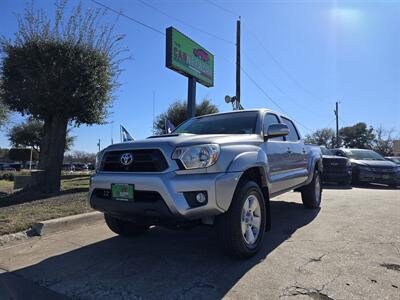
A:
[349,249]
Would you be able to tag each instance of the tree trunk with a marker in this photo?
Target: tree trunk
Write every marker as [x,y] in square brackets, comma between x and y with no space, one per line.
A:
[52,154]
[44,144]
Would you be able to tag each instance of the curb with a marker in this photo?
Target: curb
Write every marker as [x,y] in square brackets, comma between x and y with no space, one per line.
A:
[67,223]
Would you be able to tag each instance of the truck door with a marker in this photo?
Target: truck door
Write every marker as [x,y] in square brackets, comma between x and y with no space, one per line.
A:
[298,156]
[277,155]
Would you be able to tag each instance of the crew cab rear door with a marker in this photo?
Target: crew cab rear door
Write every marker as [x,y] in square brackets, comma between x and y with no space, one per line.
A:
[278,157]
[298,159]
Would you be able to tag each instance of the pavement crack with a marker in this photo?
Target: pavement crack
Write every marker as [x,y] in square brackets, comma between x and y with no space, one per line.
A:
[315,294]
[394,267]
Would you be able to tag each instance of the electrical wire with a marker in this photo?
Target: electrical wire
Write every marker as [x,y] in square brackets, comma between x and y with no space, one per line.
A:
[231,12]
[185,23]
[128,17]
[270,98]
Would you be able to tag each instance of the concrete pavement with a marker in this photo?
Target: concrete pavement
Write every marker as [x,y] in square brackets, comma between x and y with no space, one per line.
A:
[349,249]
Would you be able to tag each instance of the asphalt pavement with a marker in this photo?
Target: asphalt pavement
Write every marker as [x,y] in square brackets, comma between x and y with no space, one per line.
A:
[349,249]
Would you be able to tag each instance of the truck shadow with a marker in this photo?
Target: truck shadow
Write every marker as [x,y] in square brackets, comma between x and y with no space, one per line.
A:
[162,264]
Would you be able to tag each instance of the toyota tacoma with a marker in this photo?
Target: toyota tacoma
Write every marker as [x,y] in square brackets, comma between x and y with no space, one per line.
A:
[220,169]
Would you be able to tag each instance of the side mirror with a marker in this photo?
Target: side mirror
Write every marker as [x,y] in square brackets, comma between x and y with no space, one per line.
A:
[276,130]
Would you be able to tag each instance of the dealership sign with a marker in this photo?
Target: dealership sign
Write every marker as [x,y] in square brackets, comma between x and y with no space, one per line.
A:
[189,58]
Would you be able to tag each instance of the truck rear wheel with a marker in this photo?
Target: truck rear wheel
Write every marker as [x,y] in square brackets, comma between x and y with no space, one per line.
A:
[124,228]
[311,193]
[241,229]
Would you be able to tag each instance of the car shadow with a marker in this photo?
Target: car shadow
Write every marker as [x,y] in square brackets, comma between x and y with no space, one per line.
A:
[161,264]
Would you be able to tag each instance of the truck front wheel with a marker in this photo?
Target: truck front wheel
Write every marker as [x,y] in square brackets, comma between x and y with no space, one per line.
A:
[124,228]
[311,193]
[241,229]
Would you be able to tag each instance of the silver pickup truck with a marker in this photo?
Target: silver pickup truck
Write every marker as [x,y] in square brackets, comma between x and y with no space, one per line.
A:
[220,169]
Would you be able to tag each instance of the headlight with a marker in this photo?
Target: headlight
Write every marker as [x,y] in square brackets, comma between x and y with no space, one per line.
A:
[99,157]
[200,156]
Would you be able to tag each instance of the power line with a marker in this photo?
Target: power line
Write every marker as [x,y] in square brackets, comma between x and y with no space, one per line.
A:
[231,12]
[128,17]
[185,23]
[283,68]
[272,100]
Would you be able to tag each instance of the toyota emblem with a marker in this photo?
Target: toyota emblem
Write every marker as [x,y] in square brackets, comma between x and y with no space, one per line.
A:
[126,159]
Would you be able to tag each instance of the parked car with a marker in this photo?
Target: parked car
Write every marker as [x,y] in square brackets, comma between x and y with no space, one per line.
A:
[220,169]
[7,167]
[371,167]
[395,159]
[68,167]
[337,169]
[80,167]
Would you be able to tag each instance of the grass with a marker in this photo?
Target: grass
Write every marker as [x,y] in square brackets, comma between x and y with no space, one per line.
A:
[20,210]
[6,187]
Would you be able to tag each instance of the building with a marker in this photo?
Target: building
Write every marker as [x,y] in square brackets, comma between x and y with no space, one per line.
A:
[396,147]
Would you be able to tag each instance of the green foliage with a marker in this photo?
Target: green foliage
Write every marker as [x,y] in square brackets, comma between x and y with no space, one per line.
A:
[3,113]
[357,136]
[65,67]
[176,113]
[30,134]
[61,72]
[324,137]
[22,154]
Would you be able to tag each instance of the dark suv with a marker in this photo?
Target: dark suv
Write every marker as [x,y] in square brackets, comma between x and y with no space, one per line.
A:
[337,169]
[371,167]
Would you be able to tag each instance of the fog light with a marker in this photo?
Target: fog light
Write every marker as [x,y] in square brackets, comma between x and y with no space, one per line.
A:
[201,198]
[196,198]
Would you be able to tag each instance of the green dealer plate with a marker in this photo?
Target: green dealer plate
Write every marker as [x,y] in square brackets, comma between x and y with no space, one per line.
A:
[122,191]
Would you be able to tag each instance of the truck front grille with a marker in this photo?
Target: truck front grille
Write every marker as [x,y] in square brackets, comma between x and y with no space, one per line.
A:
[144,160]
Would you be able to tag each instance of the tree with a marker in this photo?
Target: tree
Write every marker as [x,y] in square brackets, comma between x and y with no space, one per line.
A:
[357,136]
[80,157]
[22,154]
[3,113]
[30,134]
[177,113]
[324,137]
[383,142]
[61,72]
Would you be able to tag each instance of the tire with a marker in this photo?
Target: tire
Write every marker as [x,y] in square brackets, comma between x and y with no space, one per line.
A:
[124,228]
[237,228]
[311,193]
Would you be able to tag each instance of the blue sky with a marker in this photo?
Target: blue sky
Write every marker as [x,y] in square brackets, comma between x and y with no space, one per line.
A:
[304,54]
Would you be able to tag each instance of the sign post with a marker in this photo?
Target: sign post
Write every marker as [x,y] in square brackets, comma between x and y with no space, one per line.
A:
[188,58]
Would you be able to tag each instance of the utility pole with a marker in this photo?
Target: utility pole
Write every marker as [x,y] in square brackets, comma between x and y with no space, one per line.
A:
[154,101]
[238,63]
[98,144]
[337,123]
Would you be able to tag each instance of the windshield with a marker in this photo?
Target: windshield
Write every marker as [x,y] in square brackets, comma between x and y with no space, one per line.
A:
[363,155]
[229,123]
[326,151]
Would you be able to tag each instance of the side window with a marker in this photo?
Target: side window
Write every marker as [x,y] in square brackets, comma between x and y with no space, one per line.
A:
[293,136]
[272,119]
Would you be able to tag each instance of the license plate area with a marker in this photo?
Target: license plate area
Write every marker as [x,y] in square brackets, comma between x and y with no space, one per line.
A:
[122,191]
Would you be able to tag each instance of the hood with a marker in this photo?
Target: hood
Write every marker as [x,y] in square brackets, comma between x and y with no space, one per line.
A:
[180,140]
[374,163]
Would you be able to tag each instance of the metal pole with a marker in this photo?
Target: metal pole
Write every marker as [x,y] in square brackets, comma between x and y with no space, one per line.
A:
[154,101]
[238,63]
[98,144]
[337,124]
[191,102]
[30,161]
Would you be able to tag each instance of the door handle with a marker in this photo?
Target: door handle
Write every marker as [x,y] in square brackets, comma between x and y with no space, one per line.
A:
[288,150]
[304,151]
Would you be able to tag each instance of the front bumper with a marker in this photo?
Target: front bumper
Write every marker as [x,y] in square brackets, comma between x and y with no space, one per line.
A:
[337,177]
[383,178]
[170,186]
